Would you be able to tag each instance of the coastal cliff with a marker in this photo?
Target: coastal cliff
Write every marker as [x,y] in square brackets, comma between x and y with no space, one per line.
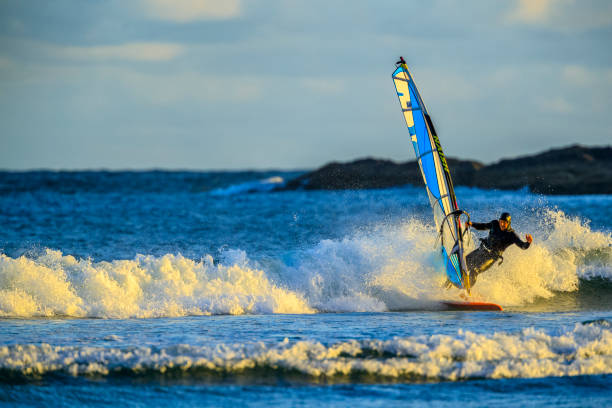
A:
[570,170]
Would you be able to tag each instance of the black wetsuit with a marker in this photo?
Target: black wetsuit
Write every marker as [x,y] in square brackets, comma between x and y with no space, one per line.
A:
[491,247]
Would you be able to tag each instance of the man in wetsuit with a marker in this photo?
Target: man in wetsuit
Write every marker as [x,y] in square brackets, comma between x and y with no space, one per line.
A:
[501,236]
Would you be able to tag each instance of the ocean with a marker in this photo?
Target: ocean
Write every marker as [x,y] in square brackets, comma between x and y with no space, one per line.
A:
[173,288]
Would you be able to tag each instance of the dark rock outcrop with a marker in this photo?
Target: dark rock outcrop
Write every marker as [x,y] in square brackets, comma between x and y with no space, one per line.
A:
[571,170]
[375,173]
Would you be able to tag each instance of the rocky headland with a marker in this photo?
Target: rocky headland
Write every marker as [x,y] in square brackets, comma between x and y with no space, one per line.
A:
[570,170]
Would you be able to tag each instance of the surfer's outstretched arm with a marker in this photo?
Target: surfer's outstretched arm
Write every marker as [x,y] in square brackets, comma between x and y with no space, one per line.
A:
[522,244]
[482,226]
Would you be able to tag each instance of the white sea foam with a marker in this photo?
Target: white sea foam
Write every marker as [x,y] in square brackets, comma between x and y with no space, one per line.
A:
[172,285]
[583,350]
[259,186]
[387,268]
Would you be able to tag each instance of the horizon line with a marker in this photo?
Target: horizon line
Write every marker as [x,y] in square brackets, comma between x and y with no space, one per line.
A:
[266,169]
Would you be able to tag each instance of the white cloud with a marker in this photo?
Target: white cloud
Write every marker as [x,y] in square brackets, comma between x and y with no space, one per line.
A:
[179,88]
[555,105]
[106,85]
[577,75]
[6,62]
[189,87]
[596,79]
[126,52]
[323,85]
[184,11]
[562,15]
[566,89]
[447,86]
[531,11]
[16,26]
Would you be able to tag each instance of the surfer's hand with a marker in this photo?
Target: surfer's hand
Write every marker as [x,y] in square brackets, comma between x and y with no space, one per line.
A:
[529,238]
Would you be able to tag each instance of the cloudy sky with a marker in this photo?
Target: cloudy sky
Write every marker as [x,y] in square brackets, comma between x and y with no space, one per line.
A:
[231,84]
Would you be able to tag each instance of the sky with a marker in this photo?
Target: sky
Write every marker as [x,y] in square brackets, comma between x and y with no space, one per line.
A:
[283,84]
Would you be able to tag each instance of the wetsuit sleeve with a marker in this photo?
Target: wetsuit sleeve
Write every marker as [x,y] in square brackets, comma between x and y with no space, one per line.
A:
[482,225]
[520,243]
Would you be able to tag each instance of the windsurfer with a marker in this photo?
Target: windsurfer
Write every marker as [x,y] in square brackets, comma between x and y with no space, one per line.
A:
[501,236]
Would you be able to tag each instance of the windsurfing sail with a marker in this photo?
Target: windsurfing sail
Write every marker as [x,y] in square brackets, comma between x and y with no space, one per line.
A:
[436,175]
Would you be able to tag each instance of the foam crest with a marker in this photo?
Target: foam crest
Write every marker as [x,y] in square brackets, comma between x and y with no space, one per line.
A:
[392,267]
[147,286]
[583,350]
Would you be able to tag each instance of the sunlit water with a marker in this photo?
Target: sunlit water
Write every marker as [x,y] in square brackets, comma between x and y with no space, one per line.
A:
[177,288]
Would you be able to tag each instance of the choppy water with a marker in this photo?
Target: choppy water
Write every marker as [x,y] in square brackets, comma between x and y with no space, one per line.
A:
[207,288]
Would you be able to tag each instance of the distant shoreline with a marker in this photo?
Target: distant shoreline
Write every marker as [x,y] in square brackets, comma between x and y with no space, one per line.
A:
[572,170]
[569,170]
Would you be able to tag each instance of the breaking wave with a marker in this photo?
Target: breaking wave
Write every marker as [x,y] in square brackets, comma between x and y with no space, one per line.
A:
[582,350]
[385,268]
[172,285]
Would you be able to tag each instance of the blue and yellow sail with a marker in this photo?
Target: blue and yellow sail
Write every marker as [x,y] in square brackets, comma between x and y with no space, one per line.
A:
[436,175]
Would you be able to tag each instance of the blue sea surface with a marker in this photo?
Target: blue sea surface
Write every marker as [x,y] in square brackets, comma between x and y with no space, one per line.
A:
[212,288]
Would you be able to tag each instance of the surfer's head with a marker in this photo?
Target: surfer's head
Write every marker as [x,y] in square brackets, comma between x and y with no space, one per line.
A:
[504,221]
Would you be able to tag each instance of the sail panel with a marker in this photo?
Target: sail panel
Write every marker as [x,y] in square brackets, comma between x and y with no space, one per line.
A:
[425,152]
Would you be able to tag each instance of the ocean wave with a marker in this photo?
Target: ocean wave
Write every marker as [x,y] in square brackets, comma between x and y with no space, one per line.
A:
[582,350]
[55,284]
[397,267]
[384,268]
[259,186]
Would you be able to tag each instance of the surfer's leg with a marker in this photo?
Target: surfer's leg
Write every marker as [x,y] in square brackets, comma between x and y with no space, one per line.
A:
[477,262]
[484,264]
[472,259]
